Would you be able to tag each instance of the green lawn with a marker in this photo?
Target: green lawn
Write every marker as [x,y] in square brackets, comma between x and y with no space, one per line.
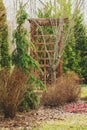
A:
[84,85]
[83,92]
[72,122]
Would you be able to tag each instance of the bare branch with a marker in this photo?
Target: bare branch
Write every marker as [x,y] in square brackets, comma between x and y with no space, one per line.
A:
[42,3]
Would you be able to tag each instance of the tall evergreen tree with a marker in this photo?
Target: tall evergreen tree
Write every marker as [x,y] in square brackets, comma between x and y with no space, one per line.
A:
[71,57]
[4,45]
[81,44]
[75,55]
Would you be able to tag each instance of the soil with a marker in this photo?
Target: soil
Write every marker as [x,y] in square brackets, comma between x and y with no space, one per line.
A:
[27,120]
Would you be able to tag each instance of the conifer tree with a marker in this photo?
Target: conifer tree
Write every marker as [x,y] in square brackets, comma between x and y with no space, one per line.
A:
[81,44]
[21,77]
[4,45]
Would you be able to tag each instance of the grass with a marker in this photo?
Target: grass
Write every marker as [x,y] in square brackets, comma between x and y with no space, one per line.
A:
[72,122]
[84,92]
[84,85]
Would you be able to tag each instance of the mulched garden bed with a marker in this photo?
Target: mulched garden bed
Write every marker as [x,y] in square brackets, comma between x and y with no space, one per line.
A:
[27,120]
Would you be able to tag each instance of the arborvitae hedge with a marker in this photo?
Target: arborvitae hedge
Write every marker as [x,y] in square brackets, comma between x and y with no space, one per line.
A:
[4,45]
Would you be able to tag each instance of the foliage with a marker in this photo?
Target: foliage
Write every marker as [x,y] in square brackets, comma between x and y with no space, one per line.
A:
[21,57]
[75,57]
[52,11]
[30,101]
[81,44]
[66,89]
[13,85]
[4,44]
[46,12]
[25,61]
[71,57]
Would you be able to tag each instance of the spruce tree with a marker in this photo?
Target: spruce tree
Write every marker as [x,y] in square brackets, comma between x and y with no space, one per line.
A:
[4,45]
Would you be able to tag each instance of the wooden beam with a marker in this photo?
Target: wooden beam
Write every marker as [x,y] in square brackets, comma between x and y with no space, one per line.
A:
[46,21]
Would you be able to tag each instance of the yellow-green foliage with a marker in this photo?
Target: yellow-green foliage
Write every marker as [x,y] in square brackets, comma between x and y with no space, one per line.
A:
[4,46]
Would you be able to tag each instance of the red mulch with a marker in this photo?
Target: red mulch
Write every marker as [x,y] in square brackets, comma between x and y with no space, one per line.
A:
[76,108]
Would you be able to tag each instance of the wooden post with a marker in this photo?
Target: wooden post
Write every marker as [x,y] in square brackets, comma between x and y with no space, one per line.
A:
[33,39]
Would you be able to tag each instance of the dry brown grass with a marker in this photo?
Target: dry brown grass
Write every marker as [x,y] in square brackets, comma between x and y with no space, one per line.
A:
[12,89]
[66,89]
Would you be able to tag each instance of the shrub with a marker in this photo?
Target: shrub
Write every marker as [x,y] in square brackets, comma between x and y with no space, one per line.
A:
[66,89]
[15,82]
[74,76]
[31,100]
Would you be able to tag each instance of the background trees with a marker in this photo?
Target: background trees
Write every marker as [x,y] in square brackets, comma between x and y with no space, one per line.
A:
[74,55]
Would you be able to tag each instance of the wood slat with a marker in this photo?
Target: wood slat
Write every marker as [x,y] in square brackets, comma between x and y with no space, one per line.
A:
[47,43]
[44,65]
[46,21]
[44,58]
[50,51]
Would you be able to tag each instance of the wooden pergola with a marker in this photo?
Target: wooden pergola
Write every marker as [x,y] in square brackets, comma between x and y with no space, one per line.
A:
[41,53]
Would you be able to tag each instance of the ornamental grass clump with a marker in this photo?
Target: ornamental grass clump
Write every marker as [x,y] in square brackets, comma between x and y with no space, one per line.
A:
[12,90]
[66,89]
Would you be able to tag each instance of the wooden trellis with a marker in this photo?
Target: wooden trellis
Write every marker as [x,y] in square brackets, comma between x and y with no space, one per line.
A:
[41,52]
